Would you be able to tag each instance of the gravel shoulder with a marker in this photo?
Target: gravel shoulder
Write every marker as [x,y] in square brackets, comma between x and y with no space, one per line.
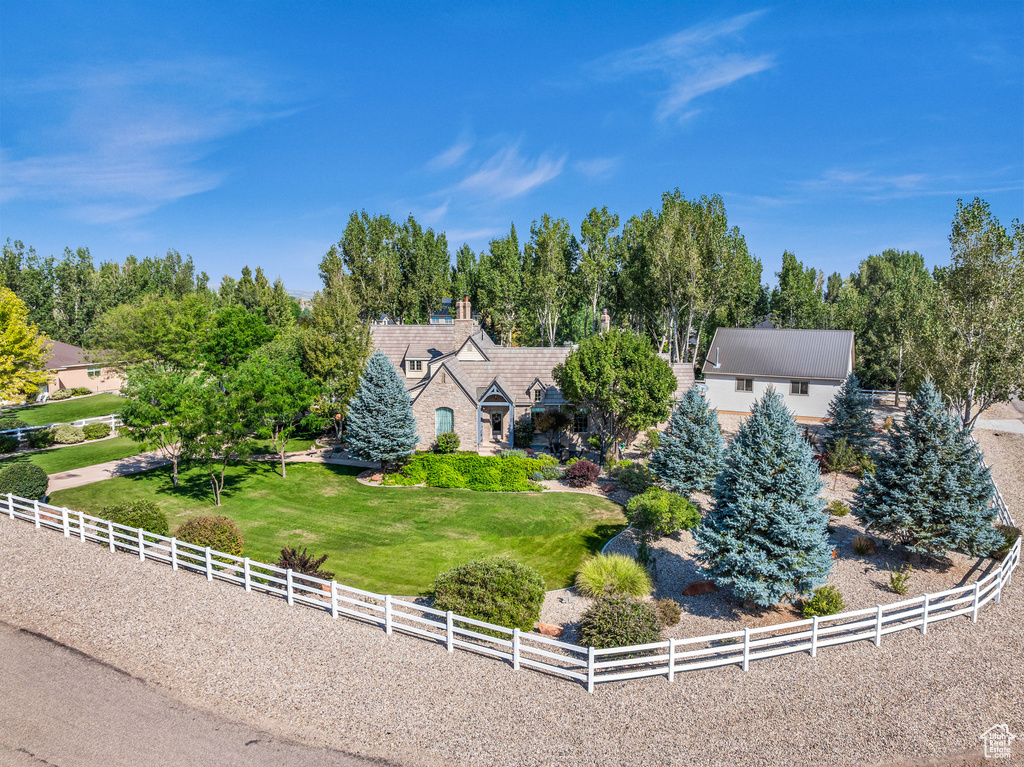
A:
[295,673]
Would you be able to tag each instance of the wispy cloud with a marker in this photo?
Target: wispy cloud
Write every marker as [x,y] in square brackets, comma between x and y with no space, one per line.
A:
[689,64]
[508,174]
[597,168]
[451,156]
[870,184]
[135,138]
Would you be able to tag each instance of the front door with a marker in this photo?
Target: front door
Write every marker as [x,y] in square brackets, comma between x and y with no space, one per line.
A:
[496,430]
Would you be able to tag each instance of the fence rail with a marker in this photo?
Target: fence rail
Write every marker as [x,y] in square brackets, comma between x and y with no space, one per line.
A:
[586,665]
[114,421]
[877,395]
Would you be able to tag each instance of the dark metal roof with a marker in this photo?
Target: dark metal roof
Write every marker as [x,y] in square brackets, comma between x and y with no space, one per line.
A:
[781,353]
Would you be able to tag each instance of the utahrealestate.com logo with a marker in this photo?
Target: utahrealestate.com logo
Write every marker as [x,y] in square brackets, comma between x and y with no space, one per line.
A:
[998,741]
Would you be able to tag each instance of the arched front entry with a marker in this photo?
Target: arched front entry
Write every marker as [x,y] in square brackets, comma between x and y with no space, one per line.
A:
[494,419]
[497,419]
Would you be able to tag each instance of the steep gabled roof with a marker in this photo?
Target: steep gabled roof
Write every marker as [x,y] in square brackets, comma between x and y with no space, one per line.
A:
[781,353]
[64,355]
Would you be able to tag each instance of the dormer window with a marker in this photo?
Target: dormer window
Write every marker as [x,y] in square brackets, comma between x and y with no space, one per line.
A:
[415,366]
[538,395]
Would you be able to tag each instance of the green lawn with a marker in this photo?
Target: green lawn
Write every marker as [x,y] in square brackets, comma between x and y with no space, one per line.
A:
[77,456]
[69,410]
[391,540]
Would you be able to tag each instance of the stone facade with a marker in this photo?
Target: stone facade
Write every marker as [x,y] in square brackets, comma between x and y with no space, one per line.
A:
[443,391]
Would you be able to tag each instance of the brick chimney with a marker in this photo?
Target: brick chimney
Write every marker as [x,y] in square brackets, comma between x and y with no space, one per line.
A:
[606,320]
[465,325]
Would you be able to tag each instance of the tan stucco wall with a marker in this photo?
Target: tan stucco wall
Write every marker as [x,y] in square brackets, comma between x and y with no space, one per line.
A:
[78,377]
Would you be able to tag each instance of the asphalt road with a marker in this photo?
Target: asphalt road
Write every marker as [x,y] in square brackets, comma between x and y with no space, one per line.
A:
[62,708]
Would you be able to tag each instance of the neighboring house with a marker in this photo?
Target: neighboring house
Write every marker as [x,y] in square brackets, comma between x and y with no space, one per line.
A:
[460,380]
[71,368]
[806,366]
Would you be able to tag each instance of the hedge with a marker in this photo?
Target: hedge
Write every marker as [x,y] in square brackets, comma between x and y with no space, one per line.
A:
[23,479]
[68,435]
[60,394]
[497,590]
[472,471]
[219,533]
[145,515]
[97,430]
[40,438]
[8,443]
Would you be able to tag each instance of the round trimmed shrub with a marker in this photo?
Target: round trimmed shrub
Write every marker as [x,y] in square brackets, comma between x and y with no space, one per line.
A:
[11,421]
[615,575]
[497,590]
[619,621]
[447,442]
[8,443]
[68,435]
[657,512]
[824,600]
[40,438]
[96,430]
[219,533]
[60,394]
[634,477]
[25,480]
[581,473]
[143,514]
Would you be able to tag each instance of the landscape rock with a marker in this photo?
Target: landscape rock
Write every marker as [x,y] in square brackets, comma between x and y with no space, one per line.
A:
[550,629]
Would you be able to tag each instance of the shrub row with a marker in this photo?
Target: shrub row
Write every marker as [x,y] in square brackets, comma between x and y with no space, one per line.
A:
[145,515]
[96,430]
[469,470]
[11,421]
[8,443]
[23,479]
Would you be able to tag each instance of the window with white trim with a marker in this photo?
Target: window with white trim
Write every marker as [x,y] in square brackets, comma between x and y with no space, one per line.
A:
[415,366]
[798,387]
[93,371]
[538,395]
[744,384]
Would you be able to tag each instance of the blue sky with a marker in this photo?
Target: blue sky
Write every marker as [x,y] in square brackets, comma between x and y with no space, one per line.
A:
[245,133]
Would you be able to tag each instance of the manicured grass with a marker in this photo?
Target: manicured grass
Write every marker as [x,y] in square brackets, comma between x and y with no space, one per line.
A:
[392,540]
[69,410]
[78,456]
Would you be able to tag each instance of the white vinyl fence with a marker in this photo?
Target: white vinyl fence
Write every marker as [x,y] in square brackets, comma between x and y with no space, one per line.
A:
[583,664]
[113,420]
[884,397]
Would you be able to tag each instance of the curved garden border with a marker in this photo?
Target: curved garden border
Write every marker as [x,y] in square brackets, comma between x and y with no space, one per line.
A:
[584,664]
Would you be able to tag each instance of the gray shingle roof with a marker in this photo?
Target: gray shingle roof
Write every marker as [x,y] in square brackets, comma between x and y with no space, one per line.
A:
[781,353]
[64,355]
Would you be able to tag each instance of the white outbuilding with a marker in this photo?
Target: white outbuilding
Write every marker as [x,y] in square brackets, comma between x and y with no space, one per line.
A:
[806,366]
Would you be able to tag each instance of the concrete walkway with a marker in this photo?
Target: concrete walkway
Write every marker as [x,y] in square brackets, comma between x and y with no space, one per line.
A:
[1015,426]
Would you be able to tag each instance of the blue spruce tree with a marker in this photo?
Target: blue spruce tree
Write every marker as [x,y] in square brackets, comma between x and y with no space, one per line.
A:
[690,455]
[850,417]
[380,424]
[930,491]
[766,536]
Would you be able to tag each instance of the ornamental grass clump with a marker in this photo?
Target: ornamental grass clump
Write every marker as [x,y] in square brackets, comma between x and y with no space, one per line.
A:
[496,590]
[619,622]
[613,575]
[824,600]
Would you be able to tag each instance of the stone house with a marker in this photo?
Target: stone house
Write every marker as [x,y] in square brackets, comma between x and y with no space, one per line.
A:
[461,381]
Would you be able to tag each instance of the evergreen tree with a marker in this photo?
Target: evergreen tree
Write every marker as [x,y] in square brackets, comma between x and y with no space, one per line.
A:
[380,424]
[930,491]
[766,536]
[850,417]
[690,455]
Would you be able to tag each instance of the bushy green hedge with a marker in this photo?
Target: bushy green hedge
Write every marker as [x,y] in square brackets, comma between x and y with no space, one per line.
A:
[633,476]
[145,515]
[79,391]
[219,533]
[68,435]
[96,430]
[472,471]
[23,479]
[40,438]
[8,443]
[60,394]
[618,622]
[11,421]
[497,590]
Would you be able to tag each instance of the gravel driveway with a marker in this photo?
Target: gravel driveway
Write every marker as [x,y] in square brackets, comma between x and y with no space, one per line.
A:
[296,673]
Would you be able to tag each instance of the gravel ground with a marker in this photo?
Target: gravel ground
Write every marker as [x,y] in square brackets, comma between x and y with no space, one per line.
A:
[297,673]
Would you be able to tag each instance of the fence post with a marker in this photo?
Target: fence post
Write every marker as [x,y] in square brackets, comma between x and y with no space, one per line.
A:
[66,522]
[450,626]
[924,614]
[387,614]
[10,504]
[247,572]
[590,669]
[142,547]
[334,599]
[289,594]
[110,535]
[515,649]
[878,627]
[209,565]
[35,511]
[974,611]
[814,637]
[746,649]
[999,586]
[174,553]
[671,660]
[81,527]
